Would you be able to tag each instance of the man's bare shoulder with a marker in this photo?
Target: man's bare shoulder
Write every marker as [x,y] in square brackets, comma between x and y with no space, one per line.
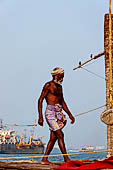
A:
[48,84]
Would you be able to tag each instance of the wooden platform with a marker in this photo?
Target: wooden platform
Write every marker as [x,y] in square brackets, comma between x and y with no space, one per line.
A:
[29,166]
[26,165]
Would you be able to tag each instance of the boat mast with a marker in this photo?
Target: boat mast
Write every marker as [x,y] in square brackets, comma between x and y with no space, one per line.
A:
[1,124]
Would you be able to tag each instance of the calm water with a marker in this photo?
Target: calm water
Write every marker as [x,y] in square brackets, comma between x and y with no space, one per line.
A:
[92,156]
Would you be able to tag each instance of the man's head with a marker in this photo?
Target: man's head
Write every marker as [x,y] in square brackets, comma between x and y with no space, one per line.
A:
[58,75]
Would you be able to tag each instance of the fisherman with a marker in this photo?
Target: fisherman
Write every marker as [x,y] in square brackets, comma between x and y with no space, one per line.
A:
[52,93]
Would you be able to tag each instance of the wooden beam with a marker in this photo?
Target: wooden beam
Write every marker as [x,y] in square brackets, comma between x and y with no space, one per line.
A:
[95,57]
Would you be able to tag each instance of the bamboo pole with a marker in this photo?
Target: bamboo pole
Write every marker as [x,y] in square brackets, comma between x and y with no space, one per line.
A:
[110,102]
[95,57]
[110,53]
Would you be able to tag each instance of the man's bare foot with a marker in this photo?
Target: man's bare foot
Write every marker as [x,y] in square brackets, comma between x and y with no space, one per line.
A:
[66,160]
[46,163]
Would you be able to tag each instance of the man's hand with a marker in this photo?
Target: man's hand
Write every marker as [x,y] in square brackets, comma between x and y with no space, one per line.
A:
[72,119]
[40,121]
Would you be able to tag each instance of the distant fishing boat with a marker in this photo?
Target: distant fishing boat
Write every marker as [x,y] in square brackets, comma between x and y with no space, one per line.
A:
[10,145]
[99,147]
[86,149]
[73,150]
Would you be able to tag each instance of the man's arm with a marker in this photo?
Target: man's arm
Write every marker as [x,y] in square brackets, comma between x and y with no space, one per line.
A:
[65,108]
[40,101]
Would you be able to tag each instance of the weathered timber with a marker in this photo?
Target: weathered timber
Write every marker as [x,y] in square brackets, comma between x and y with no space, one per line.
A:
[107,75]
[26,166]
[33,166]
[95,57]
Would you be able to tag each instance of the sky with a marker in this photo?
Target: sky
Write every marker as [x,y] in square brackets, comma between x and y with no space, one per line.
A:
[35,37]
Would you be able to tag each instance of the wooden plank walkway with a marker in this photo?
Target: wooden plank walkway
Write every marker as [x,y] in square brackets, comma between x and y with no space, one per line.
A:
[6,165]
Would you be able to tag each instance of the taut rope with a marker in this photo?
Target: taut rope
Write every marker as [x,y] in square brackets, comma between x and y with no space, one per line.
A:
[53,155]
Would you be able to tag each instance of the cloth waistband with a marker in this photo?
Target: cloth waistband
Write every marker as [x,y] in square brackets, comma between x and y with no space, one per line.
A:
[56,108]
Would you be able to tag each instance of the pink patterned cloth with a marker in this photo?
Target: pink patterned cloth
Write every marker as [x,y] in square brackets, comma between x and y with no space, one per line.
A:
[54,117]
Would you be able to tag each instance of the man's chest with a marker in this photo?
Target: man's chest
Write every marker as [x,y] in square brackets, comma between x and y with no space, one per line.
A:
[56,90]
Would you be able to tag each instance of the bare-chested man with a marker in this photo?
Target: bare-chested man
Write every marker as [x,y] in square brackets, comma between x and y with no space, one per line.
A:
[52,93]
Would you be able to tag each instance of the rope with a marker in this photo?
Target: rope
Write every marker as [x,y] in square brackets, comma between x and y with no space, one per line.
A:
[90,63]
[93,73]
[20,125]
[80,153]
[90,110]
[74,116]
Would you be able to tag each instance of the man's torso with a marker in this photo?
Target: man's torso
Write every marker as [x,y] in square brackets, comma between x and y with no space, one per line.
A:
[54,94]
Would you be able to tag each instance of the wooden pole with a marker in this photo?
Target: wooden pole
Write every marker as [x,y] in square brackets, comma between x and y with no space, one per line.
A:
[108,49]
[110,128]
[110,53]
[95,57]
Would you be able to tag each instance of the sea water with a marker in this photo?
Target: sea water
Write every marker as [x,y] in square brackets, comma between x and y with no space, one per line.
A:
[20,157]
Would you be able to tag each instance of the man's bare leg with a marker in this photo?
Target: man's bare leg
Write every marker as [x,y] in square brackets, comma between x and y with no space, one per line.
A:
[49,148]
[60,136]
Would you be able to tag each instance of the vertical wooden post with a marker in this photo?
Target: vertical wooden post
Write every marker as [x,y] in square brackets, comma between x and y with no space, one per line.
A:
[110,56]
[108,51]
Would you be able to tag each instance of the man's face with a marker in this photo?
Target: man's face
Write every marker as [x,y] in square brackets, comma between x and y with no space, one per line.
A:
[60,78]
